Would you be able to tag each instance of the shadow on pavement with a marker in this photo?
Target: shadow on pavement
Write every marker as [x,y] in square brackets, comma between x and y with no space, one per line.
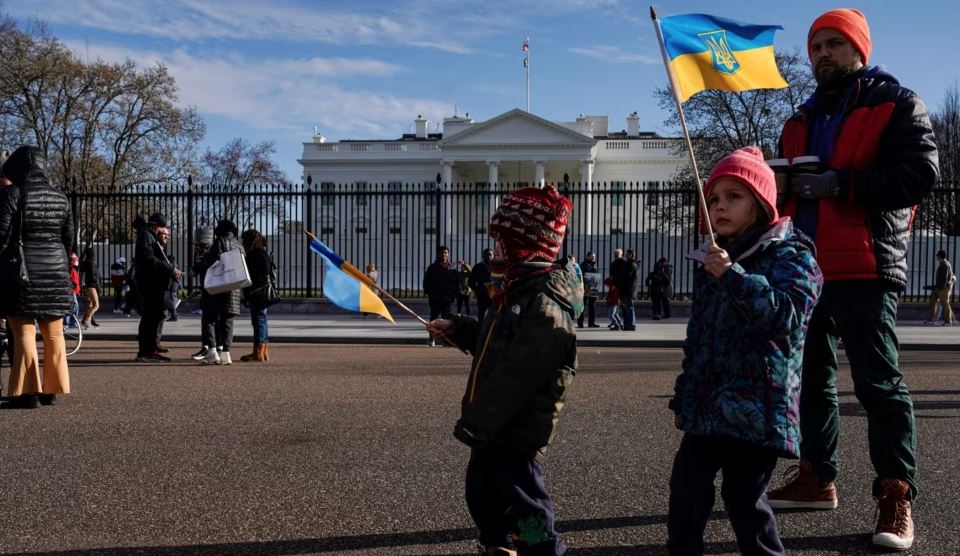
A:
[357,542]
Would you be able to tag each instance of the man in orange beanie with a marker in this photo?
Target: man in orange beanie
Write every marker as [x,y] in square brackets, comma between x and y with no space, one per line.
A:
[878,161]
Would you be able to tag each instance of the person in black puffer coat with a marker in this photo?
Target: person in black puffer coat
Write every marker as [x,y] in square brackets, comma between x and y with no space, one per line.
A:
[47,235]
[219,309]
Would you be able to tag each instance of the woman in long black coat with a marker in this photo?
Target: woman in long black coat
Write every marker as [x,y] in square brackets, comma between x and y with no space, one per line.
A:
[47,235]
[219,309]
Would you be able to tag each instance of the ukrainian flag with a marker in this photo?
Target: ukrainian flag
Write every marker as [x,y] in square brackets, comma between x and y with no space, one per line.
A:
[708,52]
[344,285]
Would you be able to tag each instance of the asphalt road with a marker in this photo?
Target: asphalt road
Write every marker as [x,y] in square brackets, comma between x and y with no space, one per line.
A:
[338,449]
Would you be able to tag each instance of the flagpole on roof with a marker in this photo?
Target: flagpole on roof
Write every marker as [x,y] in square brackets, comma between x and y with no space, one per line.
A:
[526,66]
[683,124]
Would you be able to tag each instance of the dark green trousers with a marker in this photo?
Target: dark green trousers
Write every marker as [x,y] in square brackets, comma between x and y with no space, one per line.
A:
[863,315]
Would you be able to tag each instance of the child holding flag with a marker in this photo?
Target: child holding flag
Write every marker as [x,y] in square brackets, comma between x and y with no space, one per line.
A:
[737,399]
[524,357]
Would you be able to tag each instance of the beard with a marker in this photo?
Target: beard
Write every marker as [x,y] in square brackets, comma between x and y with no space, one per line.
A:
[832,78]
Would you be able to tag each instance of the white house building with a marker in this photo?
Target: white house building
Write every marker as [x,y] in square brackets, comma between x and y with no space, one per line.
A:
[514,147]
[467,159]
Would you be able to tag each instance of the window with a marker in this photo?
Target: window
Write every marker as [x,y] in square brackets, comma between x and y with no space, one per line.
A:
[328,226]
[360,229]
[361,189]
[616,199]
[429,194]
[327,190]
[393,193]
[616,231]
[394,230]
[653,193]
[481,230]
[430,229]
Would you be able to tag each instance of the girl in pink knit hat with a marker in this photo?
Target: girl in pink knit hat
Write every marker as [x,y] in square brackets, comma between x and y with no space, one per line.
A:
[737,398]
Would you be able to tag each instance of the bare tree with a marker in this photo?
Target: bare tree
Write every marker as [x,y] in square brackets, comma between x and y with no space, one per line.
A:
[105,127]
[720,122]
[940,211]
[234,174]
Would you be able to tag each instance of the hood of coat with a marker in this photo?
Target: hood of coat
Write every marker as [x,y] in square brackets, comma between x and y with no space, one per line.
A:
[560,284]
[26,164]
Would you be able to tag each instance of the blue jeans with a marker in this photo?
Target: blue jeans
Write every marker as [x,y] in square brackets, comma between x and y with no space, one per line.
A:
[613,311]
[258,318]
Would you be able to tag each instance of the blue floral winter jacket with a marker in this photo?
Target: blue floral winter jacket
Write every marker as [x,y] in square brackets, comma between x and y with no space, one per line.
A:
[744,345]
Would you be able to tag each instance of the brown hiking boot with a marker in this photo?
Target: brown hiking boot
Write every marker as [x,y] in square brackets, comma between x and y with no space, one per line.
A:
[894,524]
[253,356]
[802,490]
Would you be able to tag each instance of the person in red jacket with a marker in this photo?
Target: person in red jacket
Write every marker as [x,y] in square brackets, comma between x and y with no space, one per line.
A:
[877,161]
[75,284]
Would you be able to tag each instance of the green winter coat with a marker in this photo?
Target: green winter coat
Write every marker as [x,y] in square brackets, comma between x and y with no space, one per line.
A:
[524,358]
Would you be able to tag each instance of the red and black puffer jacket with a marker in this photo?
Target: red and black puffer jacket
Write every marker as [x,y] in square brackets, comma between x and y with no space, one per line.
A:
[886,162]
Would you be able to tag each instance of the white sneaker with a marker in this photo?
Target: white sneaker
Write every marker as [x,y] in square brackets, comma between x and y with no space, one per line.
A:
[225,358]
[211,357]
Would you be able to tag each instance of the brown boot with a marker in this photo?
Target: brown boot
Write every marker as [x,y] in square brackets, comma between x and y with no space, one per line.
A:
[803,491]
[265,353]
[894,524]
[254,355]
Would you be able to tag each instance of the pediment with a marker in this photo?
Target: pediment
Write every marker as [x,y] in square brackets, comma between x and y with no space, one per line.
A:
[517,127]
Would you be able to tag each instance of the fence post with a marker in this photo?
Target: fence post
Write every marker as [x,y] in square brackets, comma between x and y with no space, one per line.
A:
[308,198]
[190,231]
[74,200]
[438,222]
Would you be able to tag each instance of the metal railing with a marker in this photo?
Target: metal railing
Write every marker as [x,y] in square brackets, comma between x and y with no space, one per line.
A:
[398,226]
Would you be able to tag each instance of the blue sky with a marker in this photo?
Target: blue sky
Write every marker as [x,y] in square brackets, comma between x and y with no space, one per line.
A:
[364,69]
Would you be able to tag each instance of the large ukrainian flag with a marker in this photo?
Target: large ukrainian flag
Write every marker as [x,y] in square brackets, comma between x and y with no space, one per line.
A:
[344,285]
[708,52]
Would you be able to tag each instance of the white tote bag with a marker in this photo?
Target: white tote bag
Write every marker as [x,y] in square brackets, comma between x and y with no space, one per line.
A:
[227,274]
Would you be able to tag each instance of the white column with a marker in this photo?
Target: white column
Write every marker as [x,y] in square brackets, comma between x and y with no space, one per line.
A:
[446,210]
[538,178]
[586,176]
[446,173]
[493,170]
[493,176]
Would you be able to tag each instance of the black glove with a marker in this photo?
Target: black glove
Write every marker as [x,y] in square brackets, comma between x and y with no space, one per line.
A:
[815,186]
[468,435]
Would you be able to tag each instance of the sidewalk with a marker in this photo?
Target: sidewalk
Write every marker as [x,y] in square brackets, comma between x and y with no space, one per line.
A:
[350,328]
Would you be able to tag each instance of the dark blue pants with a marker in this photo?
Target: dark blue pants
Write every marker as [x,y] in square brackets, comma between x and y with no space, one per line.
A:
[747,469]
[509,503]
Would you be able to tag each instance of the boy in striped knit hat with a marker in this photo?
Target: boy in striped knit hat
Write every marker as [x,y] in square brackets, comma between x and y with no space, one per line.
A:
[524,357]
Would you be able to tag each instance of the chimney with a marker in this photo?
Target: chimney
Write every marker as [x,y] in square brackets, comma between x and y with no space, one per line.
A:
[421,123]
[633,125]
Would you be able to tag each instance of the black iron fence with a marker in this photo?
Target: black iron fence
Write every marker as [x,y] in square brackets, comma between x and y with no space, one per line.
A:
[398,226]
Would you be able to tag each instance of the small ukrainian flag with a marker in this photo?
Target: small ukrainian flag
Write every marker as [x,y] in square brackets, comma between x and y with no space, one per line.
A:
[708,52]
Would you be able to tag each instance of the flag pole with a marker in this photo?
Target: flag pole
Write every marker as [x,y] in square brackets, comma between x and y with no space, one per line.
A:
[365,280]
[526,66]
[683,124]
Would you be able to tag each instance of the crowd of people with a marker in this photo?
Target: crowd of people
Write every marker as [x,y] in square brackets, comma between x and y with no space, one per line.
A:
[796,264]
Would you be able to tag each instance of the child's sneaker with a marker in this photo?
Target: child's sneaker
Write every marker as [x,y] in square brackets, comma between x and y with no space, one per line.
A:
[894,524]
[803,491]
